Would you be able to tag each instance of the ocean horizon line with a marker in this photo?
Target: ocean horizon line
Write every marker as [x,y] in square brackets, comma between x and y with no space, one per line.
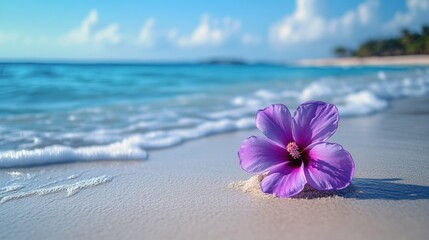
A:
[328,62]
[203,61]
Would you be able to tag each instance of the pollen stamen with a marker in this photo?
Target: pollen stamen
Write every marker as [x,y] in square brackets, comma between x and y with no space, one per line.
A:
[293,150]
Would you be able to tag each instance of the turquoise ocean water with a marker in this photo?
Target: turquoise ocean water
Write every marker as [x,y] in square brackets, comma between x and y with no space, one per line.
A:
[52,113]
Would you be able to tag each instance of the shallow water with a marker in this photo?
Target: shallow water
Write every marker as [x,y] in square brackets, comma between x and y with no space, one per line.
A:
[51,113]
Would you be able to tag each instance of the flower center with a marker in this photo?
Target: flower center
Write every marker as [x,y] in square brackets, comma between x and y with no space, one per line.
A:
[293,150]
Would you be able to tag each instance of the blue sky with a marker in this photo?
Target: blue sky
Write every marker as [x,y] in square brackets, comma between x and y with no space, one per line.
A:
[191,30]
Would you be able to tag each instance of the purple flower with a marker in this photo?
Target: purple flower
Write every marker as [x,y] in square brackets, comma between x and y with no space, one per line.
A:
[294,151]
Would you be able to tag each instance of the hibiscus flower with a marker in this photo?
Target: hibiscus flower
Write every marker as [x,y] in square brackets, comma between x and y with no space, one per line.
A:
[295,151]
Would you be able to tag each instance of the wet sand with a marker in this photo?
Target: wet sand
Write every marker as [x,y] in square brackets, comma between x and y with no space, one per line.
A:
[184,192]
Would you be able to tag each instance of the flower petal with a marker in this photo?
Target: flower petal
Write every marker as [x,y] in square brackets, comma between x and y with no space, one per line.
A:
[258,155]
[284,180]
[314,121]
[330,166]
[275,122]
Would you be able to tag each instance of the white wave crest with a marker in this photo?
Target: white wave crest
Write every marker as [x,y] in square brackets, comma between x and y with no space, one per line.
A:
[361,103]
[130,148]
[61,154]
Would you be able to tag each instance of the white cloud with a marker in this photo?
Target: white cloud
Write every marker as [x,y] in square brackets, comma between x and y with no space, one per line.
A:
[172,34]
[208,32]
[306,24]
[417,13]
[35,40]
[250,40]
[146,36]
[82,34]
[109,34]
[7,37]
[85,33]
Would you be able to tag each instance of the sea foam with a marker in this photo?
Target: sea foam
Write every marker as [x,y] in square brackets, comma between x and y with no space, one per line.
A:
[70,188]
[130,148]
[178,110]
[361,103]
[61,154]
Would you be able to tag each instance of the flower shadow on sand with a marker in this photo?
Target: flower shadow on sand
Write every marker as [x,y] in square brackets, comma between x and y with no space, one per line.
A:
[370,188]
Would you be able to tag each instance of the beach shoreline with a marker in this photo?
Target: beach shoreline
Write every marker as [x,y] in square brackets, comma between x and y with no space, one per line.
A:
[411,60]
[183,192]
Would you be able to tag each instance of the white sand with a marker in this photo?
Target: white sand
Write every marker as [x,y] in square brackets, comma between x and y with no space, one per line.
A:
[251,186]
[422,60]
[184,192]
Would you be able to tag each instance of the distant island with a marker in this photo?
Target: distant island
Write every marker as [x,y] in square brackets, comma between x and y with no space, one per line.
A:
[224,61]
[408,43]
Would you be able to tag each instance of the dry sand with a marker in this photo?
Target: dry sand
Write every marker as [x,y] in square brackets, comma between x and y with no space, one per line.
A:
[412,60]
[185,192]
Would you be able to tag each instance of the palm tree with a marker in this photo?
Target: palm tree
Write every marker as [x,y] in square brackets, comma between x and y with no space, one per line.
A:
[341,51]
[425,39]
[407,43]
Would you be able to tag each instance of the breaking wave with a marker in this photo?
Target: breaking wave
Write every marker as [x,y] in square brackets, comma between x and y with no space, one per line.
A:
[178,111]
